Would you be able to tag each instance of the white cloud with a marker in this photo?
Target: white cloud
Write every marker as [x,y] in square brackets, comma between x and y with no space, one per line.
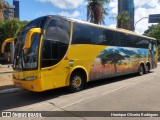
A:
[72,15]
[114,6]
[151,3]
[142,12]
[65,4]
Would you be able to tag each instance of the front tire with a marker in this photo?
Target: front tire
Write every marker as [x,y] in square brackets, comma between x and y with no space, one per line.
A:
[77,82]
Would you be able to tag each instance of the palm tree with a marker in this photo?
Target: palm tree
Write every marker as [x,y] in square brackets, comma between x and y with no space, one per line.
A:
[96,11]
[123,20]
[3,5]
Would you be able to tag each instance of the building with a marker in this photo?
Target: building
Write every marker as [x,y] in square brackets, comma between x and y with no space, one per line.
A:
[127,5]
[13,10]
[16,8]
[9,12]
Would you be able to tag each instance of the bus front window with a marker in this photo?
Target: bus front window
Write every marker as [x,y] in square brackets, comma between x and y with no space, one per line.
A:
[30,55]
[27,59]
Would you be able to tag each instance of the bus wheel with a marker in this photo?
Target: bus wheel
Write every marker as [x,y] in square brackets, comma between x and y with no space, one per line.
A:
[76,82]
[147,70]
[140,70]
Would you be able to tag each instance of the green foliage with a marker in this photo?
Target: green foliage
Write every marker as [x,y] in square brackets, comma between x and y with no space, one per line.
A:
[123,20]
[96,11]
[154,31]
[4,4]
[10,28]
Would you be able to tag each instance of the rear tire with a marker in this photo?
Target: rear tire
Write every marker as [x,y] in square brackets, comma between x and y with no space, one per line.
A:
[77,82]
[140,70]
[147,70]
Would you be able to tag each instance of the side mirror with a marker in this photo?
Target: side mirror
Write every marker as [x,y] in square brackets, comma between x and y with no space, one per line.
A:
[5,42]
[29,36]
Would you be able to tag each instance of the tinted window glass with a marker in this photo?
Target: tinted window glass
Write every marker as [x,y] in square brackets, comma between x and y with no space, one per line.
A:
[142,43]
[56,41]
[124,40]
[82,34]
[86,34]
[108,37]
[58,30]
[137,42]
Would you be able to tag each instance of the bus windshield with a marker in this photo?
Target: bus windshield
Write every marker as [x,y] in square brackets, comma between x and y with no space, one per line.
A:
[27,59]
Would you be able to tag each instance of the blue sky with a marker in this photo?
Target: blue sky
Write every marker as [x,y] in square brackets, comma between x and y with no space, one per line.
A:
[31,9]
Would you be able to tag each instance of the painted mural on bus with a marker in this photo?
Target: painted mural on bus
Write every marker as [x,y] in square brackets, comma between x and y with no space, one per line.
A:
[114,61]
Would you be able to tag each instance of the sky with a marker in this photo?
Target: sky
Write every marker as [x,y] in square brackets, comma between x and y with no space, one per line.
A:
[31,9]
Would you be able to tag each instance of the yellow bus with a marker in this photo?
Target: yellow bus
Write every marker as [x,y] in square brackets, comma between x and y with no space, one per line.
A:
[54,51]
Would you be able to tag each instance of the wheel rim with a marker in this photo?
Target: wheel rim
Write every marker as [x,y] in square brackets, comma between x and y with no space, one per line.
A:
[141,70]
[76,82]
[147,68]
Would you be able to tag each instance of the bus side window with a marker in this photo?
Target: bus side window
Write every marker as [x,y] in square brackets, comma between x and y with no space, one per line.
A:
[117,38]
[108,37]
[56,42]
[50,53]
[82,34]
[124,40]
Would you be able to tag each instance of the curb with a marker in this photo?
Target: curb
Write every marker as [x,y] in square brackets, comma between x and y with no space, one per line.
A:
[2,72]
[6,91]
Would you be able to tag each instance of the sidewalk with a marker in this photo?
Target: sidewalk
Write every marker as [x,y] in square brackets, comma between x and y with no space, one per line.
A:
[6,77]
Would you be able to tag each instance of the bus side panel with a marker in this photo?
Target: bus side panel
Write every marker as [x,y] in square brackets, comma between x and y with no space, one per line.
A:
[77,55]
[114,61]
[55,76]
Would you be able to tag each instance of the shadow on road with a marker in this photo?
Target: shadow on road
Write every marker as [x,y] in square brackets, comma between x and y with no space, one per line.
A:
[19,99]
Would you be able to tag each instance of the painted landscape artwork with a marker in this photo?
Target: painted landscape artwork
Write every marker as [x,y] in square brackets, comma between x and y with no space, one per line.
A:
[113,61]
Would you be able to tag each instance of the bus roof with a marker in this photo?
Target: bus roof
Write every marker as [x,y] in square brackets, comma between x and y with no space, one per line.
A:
[100,26]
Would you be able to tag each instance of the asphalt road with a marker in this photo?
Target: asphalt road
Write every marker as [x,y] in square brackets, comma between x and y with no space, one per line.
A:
[125,93]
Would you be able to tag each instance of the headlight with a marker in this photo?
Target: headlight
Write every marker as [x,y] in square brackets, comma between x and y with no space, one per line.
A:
[31,78]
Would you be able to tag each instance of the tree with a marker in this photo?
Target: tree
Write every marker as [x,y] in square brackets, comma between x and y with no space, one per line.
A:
[123,20]
[113,58]
[10,28]
[96,11]
[154,31]
[3,5]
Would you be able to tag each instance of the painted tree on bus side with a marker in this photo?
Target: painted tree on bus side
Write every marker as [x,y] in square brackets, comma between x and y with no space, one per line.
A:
[96,11]
[113,58]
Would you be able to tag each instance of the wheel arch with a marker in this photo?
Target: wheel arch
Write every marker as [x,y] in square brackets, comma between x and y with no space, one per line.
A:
[80,69]
[143,64]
